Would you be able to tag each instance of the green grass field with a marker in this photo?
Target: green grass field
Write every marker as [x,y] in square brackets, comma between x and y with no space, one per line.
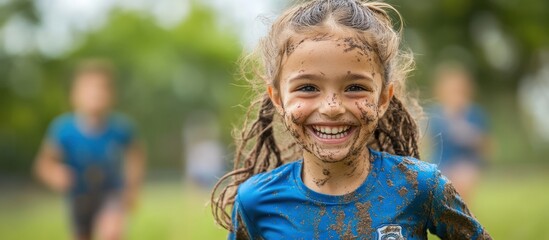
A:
[510,205]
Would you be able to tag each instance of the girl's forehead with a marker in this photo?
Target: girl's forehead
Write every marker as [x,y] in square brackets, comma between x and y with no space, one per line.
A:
[332,56]
[328,43]
[348,40]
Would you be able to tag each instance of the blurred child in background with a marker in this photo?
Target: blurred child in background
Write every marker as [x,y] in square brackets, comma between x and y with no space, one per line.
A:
[92,156]
[458,128]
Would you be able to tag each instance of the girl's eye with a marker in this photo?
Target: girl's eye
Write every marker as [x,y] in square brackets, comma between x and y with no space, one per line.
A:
[307,88]
[356,88]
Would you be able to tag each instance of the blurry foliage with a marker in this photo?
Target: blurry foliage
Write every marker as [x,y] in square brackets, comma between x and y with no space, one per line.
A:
[500,41]
[165,74]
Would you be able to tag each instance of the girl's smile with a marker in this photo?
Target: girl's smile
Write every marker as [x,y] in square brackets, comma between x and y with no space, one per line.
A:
[331,134]
[330,93]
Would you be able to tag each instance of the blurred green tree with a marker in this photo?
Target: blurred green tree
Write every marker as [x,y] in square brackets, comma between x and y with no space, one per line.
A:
[164,74]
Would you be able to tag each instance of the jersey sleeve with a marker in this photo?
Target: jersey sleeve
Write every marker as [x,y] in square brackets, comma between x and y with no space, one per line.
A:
[449,216]
[240,223]
[125,128]
[55,131]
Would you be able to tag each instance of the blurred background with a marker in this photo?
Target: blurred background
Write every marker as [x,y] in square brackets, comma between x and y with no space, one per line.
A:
[177,77]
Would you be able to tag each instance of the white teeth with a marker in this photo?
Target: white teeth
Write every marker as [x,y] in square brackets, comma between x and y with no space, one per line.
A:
[331,132]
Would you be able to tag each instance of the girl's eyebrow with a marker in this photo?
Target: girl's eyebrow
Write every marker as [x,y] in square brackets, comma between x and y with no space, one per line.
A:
[358,76]
[303,76]
[311,76]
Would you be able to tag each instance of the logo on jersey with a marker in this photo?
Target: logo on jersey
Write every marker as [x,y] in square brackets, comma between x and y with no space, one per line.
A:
[390,232]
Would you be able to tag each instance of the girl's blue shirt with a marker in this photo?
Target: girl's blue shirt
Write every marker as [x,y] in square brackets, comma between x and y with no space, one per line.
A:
[402,198]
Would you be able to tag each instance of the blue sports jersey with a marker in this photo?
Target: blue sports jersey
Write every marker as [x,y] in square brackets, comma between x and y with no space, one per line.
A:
[95,160]
[401,198]
[453,142]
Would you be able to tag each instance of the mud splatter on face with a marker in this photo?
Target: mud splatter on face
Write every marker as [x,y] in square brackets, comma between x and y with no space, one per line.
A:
[322,37]
[333,101]
[328,59]
[369,112]
[290,47]
[352,44]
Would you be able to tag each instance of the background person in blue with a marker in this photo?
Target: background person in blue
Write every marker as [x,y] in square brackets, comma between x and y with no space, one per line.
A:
[334,77]
[92,155]
[458,128]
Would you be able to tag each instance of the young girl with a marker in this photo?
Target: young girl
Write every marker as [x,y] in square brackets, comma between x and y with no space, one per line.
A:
[334,79]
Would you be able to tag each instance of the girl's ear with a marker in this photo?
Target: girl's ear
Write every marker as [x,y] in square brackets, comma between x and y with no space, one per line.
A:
[274,95]
[385,99]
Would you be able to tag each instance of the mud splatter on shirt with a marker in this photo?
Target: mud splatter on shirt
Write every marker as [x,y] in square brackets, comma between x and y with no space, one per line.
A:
[405,200]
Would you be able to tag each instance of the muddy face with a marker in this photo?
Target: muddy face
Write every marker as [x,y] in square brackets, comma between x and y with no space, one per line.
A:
[331,94]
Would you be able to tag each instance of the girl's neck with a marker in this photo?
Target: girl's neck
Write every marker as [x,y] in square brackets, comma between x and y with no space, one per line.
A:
[335,178]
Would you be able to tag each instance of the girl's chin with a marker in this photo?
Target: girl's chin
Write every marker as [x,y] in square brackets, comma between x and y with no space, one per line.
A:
[331,155]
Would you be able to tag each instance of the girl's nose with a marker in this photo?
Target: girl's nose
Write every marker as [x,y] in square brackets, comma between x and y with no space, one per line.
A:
[332,106]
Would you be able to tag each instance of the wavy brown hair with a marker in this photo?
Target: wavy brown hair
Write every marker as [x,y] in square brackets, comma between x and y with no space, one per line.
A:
[262,144]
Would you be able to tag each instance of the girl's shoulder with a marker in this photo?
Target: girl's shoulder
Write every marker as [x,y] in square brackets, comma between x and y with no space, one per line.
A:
[403,162]
[408,171]
[266,183]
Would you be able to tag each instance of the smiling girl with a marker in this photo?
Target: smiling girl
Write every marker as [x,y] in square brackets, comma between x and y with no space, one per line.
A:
[333,76]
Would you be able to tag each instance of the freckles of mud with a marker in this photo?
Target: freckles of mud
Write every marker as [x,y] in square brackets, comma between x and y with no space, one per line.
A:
[352,172]
[290,47]
[460,226]
[364,225]
[380,198]
[296,119]
[390,183]
[411,176]
[332,102]
[322,37]
[320,182]
[354,44]
[316,221]
[366,115]
[326,172]
[339,225]
[402,191]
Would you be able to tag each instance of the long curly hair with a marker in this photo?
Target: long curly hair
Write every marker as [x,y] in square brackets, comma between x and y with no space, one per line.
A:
[262,144]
